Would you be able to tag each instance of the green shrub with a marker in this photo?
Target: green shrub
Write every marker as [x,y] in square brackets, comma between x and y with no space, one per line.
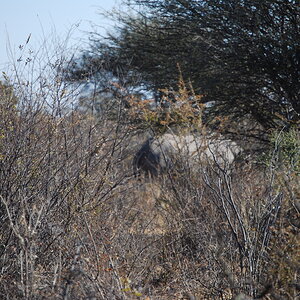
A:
[284,252]
[287,148]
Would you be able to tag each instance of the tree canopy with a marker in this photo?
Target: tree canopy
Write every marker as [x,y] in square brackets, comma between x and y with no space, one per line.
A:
[244,55]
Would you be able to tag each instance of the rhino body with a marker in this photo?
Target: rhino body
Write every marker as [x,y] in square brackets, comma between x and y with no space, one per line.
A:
[160,155]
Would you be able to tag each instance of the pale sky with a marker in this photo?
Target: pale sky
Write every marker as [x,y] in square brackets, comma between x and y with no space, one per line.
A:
[39,18]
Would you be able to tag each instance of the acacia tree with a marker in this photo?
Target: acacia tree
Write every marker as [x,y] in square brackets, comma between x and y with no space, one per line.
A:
[243,55]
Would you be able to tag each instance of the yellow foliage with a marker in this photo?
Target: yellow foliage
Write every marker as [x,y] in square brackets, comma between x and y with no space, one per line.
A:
[181,108]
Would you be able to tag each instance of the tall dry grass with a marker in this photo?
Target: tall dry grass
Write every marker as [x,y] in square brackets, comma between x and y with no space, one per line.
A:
[76,224]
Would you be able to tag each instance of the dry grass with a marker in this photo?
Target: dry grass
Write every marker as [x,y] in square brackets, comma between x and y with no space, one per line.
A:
[76,224]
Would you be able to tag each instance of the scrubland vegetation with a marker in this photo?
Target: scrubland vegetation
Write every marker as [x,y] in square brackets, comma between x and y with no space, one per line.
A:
[77,224]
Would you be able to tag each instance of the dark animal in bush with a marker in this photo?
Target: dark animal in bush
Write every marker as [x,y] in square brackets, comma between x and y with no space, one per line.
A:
[152,158]
[160,155]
